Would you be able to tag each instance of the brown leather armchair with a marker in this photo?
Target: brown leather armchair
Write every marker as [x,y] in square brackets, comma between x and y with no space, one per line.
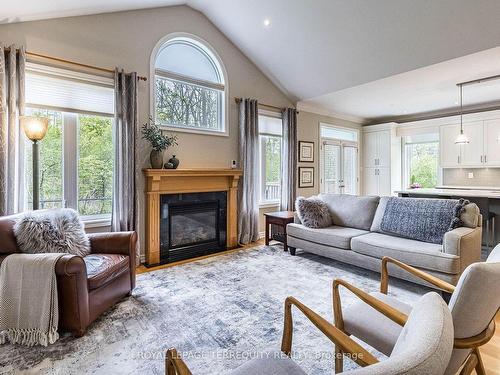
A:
[86,286]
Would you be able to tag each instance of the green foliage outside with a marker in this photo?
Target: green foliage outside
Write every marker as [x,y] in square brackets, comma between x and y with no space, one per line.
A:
[94,163]
[423,160]
[179,103]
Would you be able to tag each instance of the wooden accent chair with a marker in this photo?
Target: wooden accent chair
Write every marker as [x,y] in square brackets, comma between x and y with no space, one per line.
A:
[474,304]
[424,346]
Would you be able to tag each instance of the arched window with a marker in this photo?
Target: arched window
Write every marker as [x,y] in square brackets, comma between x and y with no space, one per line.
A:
[189,86]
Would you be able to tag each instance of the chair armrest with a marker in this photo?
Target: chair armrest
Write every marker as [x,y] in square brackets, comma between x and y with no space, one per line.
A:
[384,278]
[358,354]
[71,265]
[382,307]
[113,243]
[174,365]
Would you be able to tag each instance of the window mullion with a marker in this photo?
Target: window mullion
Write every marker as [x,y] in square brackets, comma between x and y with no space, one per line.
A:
[70,159]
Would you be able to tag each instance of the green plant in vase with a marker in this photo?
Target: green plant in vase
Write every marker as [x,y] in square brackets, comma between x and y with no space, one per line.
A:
[159,142]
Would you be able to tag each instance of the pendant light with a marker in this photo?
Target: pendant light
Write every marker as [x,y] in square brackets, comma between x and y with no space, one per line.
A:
[462,139]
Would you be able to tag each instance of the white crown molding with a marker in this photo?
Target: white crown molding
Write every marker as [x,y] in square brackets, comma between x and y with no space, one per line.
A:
[308,107]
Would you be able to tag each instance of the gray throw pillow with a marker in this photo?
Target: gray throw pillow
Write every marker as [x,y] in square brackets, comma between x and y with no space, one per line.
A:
[51,231]
[313,212]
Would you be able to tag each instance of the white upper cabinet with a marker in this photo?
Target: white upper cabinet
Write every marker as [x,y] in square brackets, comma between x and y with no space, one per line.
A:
[473,152]
[492,142]
[377,149]
[483,149]
[384,148]
[370,150]
[449,151]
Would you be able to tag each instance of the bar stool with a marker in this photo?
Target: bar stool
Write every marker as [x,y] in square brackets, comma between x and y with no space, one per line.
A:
[490,235]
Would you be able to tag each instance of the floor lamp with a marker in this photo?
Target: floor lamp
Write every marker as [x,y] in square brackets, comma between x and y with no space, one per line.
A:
[35,129]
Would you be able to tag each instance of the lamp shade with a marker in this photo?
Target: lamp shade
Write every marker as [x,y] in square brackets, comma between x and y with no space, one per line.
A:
[34,127]
[462,139]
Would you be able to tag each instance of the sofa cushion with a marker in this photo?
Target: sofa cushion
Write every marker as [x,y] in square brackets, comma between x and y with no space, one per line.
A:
[351,210]
[332,236]
[415,253]
[102,268]
[379,214]
[359,318]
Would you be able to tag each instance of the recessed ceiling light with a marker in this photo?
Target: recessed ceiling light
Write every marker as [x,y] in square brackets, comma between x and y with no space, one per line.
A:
[267,22]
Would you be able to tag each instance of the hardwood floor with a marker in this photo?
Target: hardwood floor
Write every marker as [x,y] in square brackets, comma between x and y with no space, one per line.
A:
[489,352]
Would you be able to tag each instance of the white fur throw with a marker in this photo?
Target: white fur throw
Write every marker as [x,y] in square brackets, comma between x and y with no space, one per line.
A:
[313,212]
[52,231]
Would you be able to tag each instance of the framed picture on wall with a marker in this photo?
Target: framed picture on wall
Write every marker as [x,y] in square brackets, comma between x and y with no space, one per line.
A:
[306,177]
[306,152]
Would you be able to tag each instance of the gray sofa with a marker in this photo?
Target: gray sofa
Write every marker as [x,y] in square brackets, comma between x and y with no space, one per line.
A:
[356,238]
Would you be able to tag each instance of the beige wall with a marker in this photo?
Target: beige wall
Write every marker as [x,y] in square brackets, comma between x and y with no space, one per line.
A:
[126,40]
[308,130]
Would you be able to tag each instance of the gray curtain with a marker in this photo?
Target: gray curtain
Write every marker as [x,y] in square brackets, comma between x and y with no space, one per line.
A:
[289,160]
[12,65]
[123,216]
[248,207]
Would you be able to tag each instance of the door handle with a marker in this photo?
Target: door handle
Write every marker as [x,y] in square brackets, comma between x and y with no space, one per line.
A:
[482,156]
[485,158]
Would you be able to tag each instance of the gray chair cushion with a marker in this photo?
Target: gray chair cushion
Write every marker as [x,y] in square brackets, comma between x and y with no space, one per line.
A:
[366,323]
[415,253]
[350,210]
[424,345]
[332,236]
[270,363]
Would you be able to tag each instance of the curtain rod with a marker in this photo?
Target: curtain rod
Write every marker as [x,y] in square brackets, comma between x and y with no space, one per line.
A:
[140,78]
[238,100]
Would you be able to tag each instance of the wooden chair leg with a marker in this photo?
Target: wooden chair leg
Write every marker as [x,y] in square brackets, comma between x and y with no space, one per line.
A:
[470,365]
[480,370]
[339,360]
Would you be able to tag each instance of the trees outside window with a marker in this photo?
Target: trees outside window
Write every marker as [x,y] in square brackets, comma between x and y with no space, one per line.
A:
[422,163]
[270,139]
[76,163]
[189,86]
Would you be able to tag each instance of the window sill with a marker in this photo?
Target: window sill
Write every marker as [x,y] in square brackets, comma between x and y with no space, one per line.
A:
[269,204]
[96,222]
[181,129]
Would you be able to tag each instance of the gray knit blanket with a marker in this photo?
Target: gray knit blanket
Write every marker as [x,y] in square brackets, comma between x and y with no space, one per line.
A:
[422,219]
[28,299]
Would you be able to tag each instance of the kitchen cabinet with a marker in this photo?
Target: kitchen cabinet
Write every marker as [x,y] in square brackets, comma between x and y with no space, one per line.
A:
[492,142]
[483,149]
[381,159]
[377,149]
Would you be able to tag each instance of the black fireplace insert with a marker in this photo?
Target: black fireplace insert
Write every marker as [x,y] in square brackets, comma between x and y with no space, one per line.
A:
[192,224]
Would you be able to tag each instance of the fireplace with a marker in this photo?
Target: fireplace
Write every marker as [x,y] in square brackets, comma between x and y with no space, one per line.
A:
[192,224]
[201,202]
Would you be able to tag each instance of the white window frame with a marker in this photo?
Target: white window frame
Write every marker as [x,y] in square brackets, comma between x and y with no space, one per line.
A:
[70,151]
[341,143]
[262,162]
[406,162]
[224,86]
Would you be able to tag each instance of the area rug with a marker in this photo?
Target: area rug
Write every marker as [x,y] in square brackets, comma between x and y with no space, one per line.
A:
[219,312]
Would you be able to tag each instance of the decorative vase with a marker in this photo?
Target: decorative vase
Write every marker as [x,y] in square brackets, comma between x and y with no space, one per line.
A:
[156,159]
[175,162]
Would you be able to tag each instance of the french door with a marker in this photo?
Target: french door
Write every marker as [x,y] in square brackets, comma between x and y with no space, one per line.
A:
[339,167]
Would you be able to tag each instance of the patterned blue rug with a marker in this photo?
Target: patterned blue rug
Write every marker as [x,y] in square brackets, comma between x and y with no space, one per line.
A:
[218,311]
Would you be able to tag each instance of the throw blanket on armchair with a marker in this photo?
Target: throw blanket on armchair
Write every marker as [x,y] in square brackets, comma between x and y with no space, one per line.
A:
[28,299]
[421,219]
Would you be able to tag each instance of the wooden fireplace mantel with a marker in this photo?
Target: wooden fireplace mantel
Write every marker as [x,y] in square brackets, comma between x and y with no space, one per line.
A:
[173,181]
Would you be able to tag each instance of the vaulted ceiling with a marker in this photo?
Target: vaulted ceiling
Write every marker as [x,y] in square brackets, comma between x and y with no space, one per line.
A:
[317,50]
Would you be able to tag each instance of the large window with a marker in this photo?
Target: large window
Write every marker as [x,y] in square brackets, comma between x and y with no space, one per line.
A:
[189,87]
[270,139]
[76,155]
[421,160]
